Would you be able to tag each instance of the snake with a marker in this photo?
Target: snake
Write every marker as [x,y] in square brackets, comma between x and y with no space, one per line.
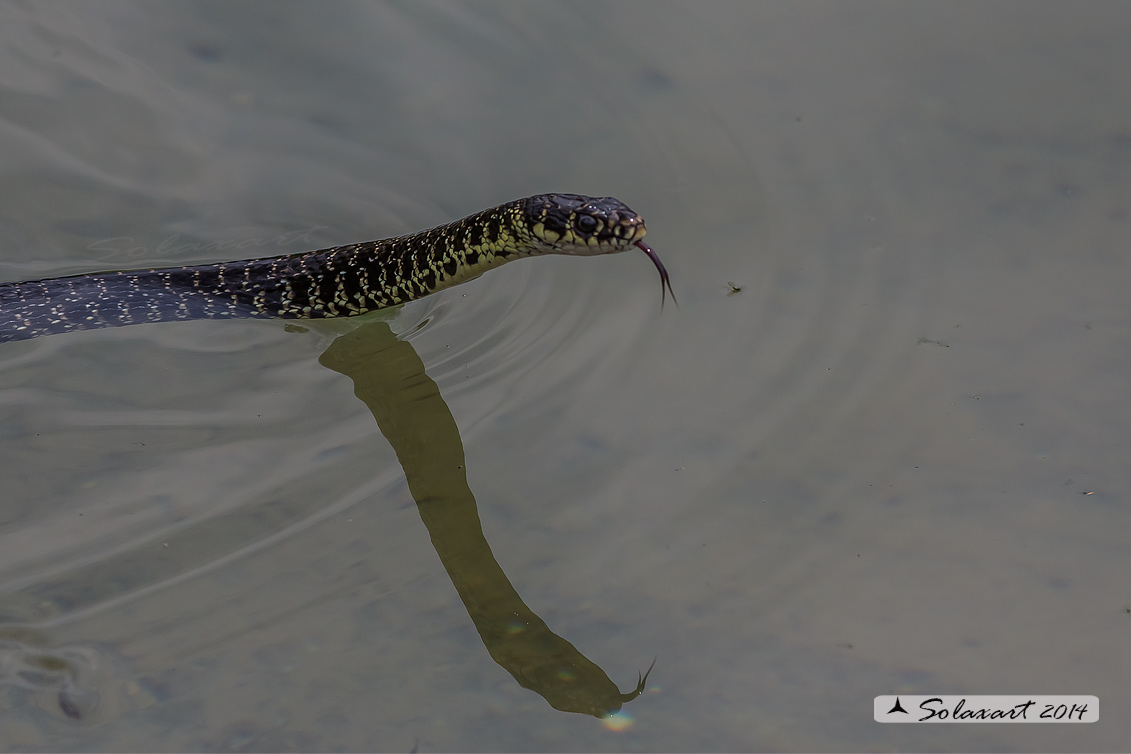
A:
[341,281]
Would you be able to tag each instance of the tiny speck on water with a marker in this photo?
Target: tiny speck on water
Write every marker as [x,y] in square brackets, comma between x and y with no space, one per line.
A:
[207,51]
[68,706]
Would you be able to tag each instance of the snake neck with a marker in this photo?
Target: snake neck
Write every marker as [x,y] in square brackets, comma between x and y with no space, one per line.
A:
[358,278]
[402,269]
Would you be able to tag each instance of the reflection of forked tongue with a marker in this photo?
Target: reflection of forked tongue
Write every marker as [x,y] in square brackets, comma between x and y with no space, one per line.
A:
[641,681]
[665,281]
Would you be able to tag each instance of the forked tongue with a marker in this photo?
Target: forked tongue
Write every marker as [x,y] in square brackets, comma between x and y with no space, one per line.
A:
[665,281]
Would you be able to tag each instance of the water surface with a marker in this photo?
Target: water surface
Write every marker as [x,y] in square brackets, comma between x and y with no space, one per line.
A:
[880,446]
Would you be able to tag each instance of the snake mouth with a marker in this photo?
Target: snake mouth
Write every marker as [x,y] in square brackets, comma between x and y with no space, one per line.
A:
[665,281]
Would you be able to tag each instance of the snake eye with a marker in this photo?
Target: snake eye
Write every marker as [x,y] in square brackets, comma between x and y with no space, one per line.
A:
[587,223]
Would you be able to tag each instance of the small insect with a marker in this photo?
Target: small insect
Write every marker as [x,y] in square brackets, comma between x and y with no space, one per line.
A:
[733,288]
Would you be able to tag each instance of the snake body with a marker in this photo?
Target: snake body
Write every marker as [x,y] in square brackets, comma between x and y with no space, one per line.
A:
[342,281]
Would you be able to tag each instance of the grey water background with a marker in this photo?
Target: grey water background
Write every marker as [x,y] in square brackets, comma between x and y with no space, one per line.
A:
[881,446]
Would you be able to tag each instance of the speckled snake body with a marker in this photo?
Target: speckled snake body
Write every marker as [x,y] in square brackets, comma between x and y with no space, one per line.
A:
[342,281]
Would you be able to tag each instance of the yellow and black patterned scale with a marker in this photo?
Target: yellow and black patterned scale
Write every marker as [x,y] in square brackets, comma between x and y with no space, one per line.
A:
[343,281]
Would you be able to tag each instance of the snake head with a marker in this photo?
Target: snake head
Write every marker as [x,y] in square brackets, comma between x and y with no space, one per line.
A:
[586,226]
[582,225]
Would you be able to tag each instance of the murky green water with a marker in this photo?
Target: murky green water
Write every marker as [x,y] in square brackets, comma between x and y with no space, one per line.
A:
[880,447]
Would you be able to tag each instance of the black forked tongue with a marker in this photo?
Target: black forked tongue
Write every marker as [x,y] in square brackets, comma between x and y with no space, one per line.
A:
[665,281]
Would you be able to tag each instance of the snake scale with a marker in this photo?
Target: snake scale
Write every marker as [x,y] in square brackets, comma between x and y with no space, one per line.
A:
[342,281]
